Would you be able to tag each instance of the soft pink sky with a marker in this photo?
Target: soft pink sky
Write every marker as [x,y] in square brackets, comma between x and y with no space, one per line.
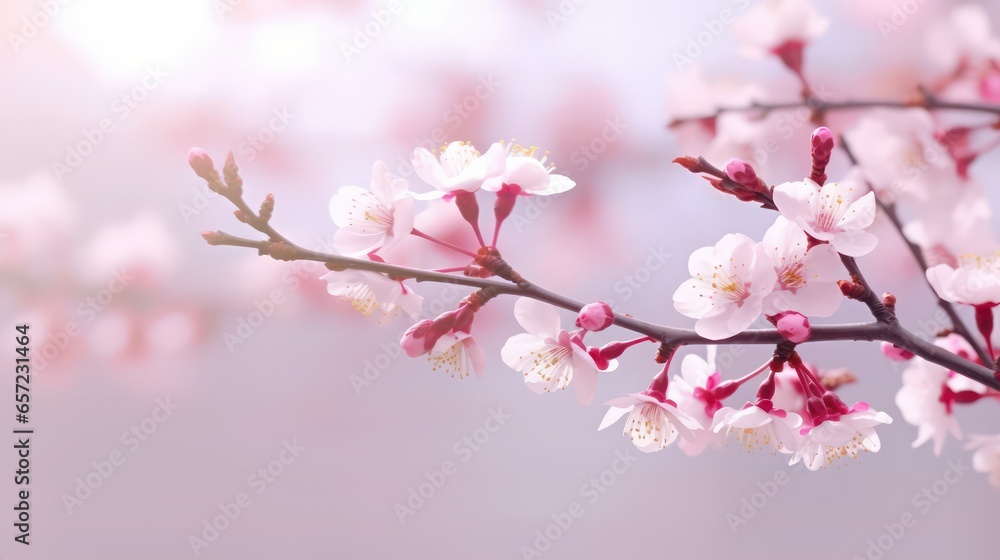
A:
[138,84]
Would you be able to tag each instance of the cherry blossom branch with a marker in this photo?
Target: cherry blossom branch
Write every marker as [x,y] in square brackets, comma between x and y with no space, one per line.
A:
[927,101]
[889,210]
[885,328]
[746,186]
[891,332]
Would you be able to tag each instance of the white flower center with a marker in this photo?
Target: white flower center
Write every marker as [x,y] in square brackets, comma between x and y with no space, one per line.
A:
[367,211]
[648,426]
[517,150]
[552,366]
[753,439]
[832,208]
[728,287]
[362,299]
[793,276]
[457,157]
[972,260]
[454,361]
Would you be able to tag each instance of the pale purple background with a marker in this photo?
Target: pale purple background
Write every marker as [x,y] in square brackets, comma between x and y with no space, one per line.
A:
[291,380]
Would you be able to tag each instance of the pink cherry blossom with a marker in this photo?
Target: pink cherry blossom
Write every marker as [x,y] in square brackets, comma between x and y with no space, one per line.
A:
[550,357]
[832,213]
[143,247]
[986,458]
[770,24]
[448,340]
[450,350]
[459,168]
[372,219]
[759,426]
[529,173]
[369,291]
[845,437]
[458,354]
[653,423]
[964,39]
[976,280]
[897,153]
[692,391]
[807,277]
[730,283]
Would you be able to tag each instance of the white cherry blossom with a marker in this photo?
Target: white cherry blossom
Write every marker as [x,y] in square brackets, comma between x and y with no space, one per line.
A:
[653,423]
[458,168]
[372,219]
[369,291]
[769,24]
[755,427]
[729,284]
[986,458]
[832,213]
[549,356]
[530,173]
[976,280]
[846,437]
[807,277]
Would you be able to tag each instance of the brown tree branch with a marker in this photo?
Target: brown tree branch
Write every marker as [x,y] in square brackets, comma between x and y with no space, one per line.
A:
[927,101]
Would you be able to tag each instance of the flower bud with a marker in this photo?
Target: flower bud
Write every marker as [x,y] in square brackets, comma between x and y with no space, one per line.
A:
[202,164]
[413,342]
[793,326]
[595,317]
[822,149]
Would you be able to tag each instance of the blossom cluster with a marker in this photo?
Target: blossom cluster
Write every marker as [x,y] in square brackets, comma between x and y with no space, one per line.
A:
[803,268]
[791,275]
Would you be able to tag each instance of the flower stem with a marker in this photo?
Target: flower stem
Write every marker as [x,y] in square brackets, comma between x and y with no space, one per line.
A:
[431,238]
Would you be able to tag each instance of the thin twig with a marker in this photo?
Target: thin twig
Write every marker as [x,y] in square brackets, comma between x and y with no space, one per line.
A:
[928,101]
[958,326]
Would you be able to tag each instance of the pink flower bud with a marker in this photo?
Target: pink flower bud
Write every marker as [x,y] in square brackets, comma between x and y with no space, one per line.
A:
[896,353]
[822,149]
[743,174]
[822,141]
[413,342]
[202,164]
[793,326]
[595,316]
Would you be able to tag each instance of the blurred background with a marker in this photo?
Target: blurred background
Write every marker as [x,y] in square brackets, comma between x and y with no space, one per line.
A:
[157,405]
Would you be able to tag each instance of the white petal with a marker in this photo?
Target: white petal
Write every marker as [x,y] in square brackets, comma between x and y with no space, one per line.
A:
[538,318]
[613,415]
